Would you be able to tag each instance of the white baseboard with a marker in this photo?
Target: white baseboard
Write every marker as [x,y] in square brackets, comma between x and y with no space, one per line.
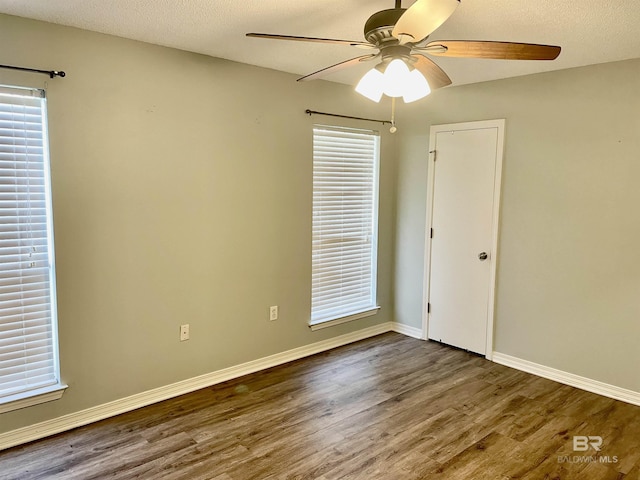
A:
[123,405]
[407,330]
[570,379]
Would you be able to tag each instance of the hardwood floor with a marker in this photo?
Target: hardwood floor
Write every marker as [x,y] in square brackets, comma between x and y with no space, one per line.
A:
[390,407]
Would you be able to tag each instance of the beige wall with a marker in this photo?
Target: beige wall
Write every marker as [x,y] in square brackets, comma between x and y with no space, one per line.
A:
[568,293]
[182,194]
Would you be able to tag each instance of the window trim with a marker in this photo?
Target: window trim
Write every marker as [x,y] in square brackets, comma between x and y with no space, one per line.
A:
[374,308]
[32,397]
[340,320]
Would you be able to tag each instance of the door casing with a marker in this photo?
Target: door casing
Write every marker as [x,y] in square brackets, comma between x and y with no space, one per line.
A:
[499,124]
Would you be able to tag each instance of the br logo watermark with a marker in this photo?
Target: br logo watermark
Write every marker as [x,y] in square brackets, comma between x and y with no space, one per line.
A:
[587,443]
[582,443]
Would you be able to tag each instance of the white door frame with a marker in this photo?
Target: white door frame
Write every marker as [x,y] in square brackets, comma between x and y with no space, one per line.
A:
[497,190]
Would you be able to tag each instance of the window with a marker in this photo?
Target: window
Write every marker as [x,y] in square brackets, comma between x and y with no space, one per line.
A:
[29,370]
[345,224]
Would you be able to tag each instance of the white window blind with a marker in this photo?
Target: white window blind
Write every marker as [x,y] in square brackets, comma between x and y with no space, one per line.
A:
[345,210]
[28,345]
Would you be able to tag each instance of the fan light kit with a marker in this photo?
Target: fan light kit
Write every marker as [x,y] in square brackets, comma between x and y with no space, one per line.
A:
[399,38]
[396,81]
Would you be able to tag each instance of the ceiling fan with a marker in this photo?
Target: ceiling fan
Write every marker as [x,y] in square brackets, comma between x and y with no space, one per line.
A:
[398,37]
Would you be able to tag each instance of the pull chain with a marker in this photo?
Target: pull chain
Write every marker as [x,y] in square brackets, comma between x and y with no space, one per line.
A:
[393,128]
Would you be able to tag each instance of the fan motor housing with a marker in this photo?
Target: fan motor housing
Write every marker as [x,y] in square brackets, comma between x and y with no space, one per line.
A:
[378,28]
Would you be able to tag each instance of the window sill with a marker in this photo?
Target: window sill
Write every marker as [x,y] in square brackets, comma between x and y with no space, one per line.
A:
[349,318]
[31,398]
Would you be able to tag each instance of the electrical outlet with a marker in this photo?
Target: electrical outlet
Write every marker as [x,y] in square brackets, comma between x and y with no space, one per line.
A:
[273,313]
[184,332]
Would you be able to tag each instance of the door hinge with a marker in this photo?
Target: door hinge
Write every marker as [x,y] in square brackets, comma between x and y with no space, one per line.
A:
[434,154]
[431,233]
[428,308]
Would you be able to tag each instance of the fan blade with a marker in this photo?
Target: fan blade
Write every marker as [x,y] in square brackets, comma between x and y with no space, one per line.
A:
[337,67]
[312,39]
[494,50]
[422,18]
[433,73]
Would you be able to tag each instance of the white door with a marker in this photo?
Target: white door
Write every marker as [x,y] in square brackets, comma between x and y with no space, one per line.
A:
[465,166]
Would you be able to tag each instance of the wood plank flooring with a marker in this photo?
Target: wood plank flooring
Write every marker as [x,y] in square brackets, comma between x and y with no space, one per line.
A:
[390,407]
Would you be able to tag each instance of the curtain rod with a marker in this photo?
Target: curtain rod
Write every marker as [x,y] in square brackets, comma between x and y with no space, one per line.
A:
[51,73]
[313,112]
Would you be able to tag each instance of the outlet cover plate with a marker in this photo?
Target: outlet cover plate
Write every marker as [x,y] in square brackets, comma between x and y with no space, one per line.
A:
[184,332]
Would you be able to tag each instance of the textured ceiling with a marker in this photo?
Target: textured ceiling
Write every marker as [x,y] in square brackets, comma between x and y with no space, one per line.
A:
[589,31]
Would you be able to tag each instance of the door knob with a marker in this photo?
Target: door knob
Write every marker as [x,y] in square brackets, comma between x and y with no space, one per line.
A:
[483,256]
